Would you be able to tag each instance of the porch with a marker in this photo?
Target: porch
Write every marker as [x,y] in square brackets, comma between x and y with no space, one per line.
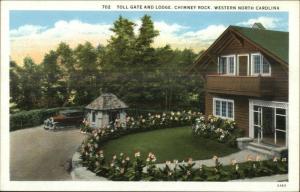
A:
[268,128]
[256,86]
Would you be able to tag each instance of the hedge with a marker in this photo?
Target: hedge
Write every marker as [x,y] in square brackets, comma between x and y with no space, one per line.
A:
[25,119]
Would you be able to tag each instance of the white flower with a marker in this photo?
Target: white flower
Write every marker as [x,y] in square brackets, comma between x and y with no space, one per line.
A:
[114,157]
[121,154]
[284,159]
[168,162]
[236,167]
[175,161]
[137,154]
[215,158]
[112,164]
[275,159]
[127,159]
[233,162]
[148,159]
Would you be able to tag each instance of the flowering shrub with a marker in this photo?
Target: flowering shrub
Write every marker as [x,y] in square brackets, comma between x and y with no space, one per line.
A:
[216,128]
[149,122]
[85,127]
[121,168]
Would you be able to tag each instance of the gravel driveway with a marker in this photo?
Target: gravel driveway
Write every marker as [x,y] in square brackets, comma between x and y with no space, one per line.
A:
[37,154]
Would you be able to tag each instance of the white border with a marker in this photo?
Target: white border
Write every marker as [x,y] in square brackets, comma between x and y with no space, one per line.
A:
[261,65]
[238,62]
[227,65]
[292,185]
[226,100]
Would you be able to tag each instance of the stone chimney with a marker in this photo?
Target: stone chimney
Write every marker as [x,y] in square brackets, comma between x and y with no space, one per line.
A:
[258,26]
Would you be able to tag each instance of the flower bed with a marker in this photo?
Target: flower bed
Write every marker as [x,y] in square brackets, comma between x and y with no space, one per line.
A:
[221,130]
[122,168]
[149,122]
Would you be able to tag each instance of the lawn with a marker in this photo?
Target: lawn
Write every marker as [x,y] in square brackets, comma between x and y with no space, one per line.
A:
[167,144]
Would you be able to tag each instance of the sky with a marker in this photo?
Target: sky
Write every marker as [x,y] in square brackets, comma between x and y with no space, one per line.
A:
[34,33]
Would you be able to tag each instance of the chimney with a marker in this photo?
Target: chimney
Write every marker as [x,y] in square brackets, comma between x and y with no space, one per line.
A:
[258,26]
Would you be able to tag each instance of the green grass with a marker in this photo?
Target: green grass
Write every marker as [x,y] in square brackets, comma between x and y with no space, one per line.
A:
[167,144]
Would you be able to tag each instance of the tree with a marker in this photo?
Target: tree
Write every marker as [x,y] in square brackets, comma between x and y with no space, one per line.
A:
[30,85]
[14,79]
[86,73]
[54,91]
[66,62]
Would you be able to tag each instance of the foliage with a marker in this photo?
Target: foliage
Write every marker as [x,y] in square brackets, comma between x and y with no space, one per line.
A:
[128,66]
[31,118]
[148,122]
[121,168]
[222,130]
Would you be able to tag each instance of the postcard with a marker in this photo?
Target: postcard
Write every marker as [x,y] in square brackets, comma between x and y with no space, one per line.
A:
[150,95]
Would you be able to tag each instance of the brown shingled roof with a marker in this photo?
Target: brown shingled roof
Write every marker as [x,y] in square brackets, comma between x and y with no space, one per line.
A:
[107,101]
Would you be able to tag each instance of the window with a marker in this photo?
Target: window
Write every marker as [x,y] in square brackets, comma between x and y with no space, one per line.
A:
[223,108]
[260,65]
[93,116]
[227,65]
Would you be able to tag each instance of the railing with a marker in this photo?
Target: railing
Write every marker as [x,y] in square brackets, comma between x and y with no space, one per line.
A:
[240,85]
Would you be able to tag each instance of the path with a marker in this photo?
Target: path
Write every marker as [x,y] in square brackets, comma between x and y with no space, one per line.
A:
[240,156]
[37,154]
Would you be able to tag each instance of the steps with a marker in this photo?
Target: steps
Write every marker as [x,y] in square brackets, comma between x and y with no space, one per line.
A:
[261,149]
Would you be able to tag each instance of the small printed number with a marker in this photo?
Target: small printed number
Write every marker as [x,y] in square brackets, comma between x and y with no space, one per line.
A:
[281,185]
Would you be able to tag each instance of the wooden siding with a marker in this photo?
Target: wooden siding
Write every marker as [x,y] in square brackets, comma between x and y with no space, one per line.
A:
[278,82]
[241,109]
[279,74]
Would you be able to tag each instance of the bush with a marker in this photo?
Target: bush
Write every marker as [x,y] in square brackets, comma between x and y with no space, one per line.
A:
[121,168]
[221,130]
[35,117]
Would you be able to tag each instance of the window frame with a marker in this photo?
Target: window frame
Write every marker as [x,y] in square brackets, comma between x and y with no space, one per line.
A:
[215,99]
[93,116]
[262,58]
[227,64]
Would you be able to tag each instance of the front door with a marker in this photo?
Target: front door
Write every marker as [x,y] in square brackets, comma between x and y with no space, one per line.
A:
[243,65]
[269,122]
[258,123]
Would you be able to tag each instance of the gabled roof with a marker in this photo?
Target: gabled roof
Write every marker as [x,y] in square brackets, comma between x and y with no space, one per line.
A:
[273,43]
[107,101]
[277,42]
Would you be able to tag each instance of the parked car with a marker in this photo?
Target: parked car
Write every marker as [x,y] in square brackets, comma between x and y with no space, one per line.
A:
[65,118]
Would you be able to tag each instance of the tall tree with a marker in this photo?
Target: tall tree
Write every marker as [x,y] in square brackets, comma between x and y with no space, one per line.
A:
[66,62]
[30,84]
[14,79]
[87,72]
[53,84]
